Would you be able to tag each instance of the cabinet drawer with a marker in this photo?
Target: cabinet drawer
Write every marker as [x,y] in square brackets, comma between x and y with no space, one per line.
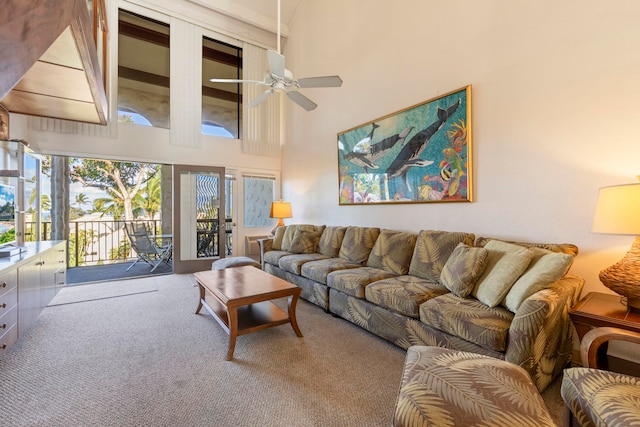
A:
[8,319]
[8,300]
[8,281]
[8,339]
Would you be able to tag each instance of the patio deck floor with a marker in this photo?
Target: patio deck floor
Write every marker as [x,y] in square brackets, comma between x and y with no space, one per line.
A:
[108,272]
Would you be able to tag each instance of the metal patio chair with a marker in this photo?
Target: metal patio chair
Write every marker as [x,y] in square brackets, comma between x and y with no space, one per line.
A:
[145,246]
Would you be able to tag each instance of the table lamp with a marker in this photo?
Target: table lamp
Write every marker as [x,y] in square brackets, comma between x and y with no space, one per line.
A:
[618,212]
[280,210]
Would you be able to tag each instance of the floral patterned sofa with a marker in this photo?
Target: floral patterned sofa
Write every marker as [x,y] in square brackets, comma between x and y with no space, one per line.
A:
[438,288]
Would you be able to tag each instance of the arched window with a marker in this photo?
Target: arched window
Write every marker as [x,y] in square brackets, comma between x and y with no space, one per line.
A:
[215,129]
[128,116]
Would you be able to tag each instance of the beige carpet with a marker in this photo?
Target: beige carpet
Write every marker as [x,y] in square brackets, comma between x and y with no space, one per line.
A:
[97,291]
[145,359]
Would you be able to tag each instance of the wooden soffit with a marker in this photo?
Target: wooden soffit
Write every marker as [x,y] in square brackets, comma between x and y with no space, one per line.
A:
[49,64]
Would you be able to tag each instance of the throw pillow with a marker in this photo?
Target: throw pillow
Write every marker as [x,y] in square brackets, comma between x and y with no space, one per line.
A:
[463,268]
[277,238]
[304,241]
[505,263]
[545,268]
[331,240]
[291,231]
[357,243]
[392,251]
[432,250]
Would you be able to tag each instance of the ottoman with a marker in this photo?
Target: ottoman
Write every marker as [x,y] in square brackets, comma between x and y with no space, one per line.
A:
[601,398]
[442,387]
[234,261]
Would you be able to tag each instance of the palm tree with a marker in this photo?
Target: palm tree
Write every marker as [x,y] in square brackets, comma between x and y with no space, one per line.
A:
[151,200]
[112,206]
[81,199]
[45,203]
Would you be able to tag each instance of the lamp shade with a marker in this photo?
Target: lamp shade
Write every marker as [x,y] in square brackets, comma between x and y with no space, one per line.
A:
[618,210]
[280,210]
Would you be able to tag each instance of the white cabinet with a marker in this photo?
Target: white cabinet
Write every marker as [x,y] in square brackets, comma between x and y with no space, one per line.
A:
[39,280]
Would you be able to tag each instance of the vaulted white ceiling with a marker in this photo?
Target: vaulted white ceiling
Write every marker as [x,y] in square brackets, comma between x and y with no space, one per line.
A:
[261,13]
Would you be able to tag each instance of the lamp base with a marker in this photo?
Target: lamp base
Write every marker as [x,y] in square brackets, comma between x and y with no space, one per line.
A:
[623,277]
[633,304]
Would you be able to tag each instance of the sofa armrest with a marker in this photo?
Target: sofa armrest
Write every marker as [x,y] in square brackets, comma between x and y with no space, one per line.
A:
[265,246]
[541,333]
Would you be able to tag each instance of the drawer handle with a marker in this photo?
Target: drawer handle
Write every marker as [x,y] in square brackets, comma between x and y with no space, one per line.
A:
[3,346]
[4,285]
[3,326]
[3,305]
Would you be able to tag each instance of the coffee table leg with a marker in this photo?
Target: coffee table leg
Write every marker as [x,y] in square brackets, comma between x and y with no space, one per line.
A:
[293,301]
[201,298]
[232,315]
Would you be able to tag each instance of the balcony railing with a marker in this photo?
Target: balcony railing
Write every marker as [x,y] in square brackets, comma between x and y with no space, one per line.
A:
[106,242]
[95,242]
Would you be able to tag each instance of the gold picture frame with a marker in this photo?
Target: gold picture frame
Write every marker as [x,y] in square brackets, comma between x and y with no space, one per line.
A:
[421,154]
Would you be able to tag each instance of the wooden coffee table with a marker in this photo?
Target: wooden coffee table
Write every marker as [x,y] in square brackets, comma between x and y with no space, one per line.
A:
[239,299]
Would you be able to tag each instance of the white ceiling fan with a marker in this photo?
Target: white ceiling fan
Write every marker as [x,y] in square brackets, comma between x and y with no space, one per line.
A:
[279,79]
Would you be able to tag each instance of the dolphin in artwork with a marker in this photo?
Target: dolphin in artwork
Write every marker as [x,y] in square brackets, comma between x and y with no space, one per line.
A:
[376,151]
[409,156]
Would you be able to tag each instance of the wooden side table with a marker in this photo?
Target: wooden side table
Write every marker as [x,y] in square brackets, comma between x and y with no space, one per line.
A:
[599,310]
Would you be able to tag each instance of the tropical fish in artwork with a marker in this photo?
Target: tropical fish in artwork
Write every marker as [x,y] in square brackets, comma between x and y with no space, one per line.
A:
[458,135]
[409,156]
[376,151]
[451,169]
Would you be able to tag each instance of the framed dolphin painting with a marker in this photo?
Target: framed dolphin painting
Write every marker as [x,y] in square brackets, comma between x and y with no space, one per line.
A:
[418,155]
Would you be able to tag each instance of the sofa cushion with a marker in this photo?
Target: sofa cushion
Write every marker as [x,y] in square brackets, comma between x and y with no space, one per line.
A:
[354,280]
[462,269]
[468,319]
[277,238]
[392,251]
[304,241]
[331,240]
[545,268]
[290,232]
[432,251]
[273,257]
[357,243]
[293,263]
[318,270]
[403,294]
[505,263]
[565,248]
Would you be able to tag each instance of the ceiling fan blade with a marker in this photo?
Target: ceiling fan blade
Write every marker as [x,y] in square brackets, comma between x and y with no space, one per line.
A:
[324,81]
[276,63]
[302,100]
[236,81]
[260,98]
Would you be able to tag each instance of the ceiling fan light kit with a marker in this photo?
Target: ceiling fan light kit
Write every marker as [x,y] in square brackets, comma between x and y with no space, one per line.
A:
[279,79]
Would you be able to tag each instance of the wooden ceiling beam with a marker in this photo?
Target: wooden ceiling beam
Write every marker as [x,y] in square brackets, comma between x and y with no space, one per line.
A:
[154,79]
[130,30]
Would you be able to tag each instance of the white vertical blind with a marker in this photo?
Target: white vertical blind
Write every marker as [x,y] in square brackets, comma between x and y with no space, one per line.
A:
[186,83]
[261,124]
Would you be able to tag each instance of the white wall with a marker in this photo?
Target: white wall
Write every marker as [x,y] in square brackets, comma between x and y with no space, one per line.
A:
[555,110]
